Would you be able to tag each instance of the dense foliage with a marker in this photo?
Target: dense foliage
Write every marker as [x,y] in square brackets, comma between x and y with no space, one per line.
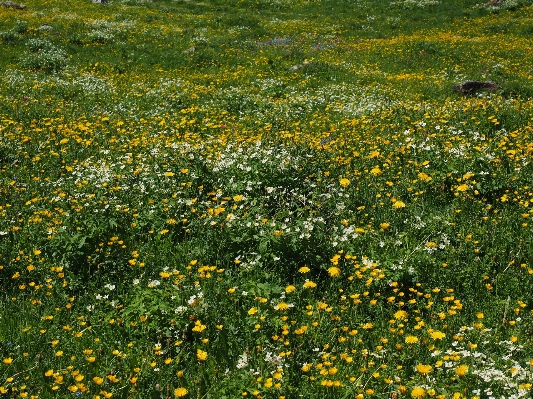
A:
[266,199]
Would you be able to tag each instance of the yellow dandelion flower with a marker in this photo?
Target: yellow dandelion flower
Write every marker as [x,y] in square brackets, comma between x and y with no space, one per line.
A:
[376,171]
[411,339]
[461,370]
[400,315]
[437,335]
[424,369]
[344,182]
[418,392]
[180,392]
[201,355]
[398,205]
[309,284]
[334,271]
[290,288]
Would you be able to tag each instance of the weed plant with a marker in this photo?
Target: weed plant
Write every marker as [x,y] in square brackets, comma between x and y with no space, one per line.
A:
[266,199]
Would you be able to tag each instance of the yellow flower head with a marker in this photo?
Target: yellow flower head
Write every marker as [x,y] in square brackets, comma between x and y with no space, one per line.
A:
[461,370]
[252,311]
[418,393]
[201,355]
[290,288]
[334,271]
[437,335]
[411,339]
[344,182]
[180,392]
[424,369]
[398,205]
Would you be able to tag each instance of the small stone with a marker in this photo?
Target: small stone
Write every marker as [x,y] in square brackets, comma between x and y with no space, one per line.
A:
[473,86]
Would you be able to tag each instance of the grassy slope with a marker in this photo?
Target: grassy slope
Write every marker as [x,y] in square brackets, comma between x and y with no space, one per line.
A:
[154,98]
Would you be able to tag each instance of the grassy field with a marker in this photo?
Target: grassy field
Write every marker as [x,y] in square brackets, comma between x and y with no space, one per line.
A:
[266,199]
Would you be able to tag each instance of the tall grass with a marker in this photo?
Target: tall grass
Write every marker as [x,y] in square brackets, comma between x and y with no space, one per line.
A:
[271,199]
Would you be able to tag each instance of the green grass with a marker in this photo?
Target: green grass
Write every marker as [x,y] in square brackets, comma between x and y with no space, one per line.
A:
[271,199]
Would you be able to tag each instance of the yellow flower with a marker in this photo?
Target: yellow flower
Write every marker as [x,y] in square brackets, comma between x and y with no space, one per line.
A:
[437,335]
[199,327]
[400,315]
[252,311]
[411,339]
[309,284]
[290,288]
[398,205]
[98,380]
[334,271]
[303,269]
[424,369]
[376,171]
[180,392]
[418,392]
[461,370]
[201,355]
[8,360]
[344,182]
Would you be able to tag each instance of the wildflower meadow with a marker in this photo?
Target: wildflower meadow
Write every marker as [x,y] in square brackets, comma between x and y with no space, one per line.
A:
[266,199]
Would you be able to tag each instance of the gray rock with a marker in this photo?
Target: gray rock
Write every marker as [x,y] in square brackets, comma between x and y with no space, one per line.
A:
[12,5]
[473,86]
